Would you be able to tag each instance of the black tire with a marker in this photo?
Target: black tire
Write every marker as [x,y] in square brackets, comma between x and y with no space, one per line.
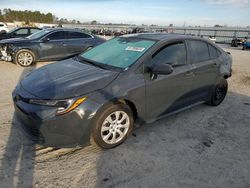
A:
[30,58]
[99,122]
[219,93]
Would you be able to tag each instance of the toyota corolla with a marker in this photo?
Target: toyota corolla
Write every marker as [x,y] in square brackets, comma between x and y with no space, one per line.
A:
[99,94]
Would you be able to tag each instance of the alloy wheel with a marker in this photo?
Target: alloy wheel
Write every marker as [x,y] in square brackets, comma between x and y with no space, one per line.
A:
[25,58]
[115,127]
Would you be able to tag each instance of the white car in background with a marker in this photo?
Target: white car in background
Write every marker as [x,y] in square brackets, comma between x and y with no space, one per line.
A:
[3,27]
[213,39]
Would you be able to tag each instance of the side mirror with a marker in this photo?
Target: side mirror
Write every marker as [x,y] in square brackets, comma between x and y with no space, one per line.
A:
[46,39]
[161,68]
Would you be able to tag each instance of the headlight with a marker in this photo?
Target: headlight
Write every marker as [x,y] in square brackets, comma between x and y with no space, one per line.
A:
[63,106]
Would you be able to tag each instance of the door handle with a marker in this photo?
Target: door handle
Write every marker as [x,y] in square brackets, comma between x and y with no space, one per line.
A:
[189,73]
[215,65]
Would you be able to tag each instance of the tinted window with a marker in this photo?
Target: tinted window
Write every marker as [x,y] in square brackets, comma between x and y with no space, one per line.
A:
[214,53]
[199,51]
[174,54]
[77,35]
[1,25]
[34,31]
[22,32]
[57,35]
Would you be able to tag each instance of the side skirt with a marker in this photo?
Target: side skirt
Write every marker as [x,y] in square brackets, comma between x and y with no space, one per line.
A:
[176,111]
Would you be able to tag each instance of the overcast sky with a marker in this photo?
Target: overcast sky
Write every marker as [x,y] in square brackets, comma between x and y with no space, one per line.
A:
[160,12]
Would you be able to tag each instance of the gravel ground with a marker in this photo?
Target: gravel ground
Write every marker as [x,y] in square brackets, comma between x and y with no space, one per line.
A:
[201,147]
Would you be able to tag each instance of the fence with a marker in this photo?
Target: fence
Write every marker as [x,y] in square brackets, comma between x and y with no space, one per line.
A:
[222,34]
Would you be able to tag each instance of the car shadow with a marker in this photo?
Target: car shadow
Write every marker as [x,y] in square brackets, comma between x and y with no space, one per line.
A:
[202,146]
[17,166]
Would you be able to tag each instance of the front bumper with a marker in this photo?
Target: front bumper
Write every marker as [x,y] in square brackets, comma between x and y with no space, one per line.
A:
[45,128]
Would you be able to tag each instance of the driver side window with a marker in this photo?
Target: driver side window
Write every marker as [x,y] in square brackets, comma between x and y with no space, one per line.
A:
[173,54]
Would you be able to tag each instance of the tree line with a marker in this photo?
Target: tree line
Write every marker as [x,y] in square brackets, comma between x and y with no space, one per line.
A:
[8,15]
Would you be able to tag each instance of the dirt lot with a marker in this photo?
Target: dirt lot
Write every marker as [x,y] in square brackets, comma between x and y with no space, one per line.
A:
[201,147]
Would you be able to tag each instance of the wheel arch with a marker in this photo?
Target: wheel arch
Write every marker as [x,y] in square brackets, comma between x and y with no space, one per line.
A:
[121,100]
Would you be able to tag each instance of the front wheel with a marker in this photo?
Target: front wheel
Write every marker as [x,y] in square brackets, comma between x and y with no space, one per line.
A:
[24,58]
[219,93]
[113,125]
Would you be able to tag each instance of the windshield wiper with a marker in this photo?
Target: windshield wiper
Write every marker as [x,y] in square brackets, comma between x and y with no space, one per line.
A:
[82,59]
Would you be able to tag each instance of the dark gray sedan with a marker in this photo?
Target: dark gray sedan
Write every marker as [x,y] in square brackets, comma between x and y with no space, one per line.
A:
[47,44]
[102,92]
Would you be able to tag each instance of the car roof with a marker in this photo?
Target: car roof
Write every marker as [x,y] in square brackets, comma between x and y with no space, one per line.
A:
[27,27]
[161,36]
[62,29]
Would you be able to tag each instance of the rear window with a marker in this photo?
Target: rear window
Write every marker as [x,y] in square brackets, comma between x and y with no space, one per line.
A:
[77,35]
[199,51]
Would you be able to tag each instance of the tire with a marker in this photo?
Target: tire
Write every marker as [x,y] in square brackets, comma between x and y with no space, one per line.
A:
[219,93]
[106,131]
[24,58]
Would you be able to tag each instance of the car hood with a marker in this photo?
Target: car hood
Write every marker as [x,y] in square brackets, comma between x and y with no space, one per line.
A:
[14,40]
[66,79]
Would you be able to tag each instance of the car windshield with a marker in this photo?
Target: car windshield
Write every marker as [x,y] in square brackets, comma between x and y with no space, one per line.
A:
[38,34]
[119,52]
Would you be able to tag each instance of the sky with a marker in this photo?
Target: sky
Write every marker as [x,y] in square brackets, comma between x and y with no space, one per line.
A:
[158,12]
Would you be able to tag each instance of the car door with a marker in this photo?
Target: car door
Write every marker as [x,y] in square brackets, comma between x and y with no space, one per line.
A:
[167,93]
[204,58]
[77,42]
[53,46]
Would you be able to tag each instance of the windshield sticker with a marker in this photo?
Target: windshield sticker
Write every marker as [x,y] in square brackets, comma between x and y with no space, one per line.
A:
[135,49]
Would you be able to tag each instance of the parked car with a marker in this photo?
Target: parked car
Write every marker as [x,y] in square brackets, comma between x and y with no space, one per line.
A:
[3,27]
[103,91]
[213,39]
[47,44]
[237,42]
[246,42]
[19,32]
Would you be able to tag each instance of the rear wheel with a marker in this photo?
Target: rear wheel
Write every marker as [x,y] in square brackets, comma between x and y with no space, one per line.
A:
[112,126]
[24,58]
[219,93]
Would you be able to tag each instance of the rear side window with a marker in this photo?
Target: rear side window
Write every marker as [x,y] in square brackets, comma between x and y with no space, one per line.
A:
[1,25]
[22,32]
[214,53]
[174,54]
[199,51]
[77,35]
[57,35]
